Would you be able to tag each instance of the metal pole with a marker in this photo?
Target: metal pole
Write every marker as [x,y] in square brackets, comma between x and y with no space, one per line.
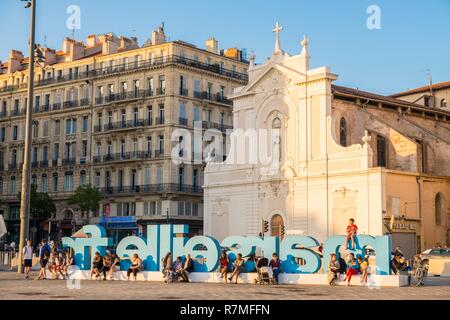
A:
[167,215]
[26,170]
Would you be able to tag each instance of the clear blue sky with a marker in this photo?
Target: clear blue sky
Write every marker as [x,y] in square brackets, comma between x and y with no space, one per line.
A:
[414,35]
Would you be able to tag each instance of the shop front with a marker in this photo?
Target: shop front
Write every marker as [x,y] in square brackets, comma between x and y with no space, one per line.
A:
[118,228]
[406,234]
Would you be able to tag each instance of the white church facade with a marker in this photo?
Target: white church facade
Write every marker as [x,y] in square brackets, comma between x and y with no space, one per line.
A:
[312,179]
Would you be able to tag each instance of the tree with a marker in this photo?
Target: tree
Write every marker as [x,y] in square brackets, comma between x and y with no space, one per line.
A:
[41,205]
[87,198]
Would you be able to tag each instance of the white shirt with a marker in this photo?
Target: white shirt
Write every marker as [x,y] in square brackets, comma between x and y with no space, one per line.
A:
[28,252]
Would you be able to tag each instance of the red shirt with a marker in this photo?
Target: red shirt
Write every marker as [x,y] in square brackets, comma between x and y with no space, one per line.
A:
[223,262]
[352,228]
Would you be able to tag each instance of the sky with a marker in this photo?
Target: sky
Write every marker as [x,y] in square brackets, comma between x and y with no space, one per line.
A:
[413,40]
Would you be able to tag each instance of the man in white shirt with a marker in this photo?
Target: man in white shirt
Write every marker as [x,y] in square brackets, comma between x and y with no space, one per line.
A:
[27,255]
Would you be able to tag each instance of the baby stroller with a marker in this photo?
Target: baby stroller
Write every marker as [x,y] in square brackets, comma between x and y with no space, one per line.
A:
[170,276]
[264,273]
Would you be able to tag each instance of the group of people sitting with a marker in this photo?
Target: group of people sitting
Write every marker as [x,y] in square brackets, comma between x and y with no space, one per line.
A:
[238,266]
[177,270]
[350,266]
[104,267]
[51,258]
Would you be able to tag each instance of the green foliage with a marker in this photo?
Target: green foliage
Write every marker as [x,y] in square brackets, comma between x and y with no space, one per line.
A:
[87,198]
[41,205]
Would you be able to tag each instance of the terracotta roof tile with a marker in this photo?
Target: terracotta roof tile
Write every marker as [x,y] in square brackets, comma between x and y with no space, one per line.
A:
[436,86]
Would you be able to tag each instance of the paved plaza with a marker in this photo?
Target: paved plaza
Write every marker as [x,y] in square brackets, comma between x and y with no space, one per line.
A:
[13,286]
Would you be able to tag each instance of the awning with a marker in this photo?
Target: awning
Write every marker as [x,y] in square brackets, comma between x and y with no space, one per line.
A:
[127,222]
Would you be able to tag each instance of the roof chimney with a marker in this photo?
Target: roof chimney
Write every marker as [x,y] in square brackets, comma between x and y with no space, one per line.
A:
[212,45]
[158,36]
[15,61]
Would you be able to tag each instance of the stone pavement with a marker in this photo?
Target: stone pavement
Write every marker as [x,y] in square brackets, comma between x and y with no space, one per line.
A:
[13,286]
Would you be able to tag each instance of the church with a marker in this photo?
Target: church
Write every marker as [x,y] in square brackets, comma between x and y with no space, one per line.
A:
[306,155]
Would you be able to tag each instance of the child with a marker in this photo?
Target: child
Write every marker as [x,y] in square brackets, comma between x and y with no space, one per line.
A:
[333,269]
[352,268]
[363,265]
[352,230]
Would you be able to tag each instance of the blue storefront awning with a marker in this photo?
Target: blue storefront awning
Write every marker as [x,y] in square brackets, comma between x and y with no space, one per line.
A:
[119,222]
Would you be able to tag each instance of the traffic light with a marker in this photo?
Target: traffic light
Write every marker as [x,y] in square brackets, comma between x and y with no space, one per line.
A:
[283,230]
[265,226]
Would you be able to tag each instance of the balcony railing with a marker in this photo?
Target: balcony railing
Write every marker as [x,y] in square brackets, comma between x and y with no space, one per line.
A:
[184,92]
[68,161]
[153,188]
[122,96]
[159,153]
[145,64]
[120,125]
[214,125]
[132,155]
[183,121]
[70,104]
[160,91]
[160,120]
[43,164]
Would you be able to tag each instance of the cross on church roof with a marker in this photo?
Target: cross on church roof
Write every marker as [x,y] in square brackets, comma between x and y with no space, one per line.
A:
[277,30]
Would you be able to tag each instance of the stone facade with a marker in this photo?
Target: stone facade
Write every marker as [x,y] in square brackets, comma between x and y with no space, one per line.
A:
[104,114]
[344,154]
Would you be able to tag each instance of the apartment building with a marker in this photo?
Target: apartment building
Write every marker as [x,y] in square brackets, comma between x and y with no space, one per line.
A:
[103,113]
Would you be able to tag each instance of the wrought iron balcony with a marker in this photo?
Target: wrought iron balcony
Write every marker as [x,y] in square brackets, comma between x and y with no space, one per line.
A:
[145,64]
[159,153]
[70,104]
[160,91]
[184,92]
[183,121]
[43,164]
[122,156]
[122,96]
[160,120]
[84,102]
[129,124]
[68,161]
[153,188]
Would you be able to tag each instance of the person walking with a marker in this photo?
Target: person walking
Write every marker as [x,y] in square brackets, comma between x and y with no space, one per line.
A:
[27,254]
[44,255]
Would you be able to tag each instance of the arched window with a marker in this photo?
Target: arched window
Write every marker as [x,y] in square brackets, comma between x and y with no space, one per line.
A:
[276,123]
[343,132]
[443,103]
[276,225]
[438,208]
[381,151]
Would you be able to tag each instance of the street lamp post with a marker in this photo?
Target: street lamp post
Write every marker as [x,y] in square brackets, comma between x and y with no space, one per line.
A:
[26,170]
[167,215]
